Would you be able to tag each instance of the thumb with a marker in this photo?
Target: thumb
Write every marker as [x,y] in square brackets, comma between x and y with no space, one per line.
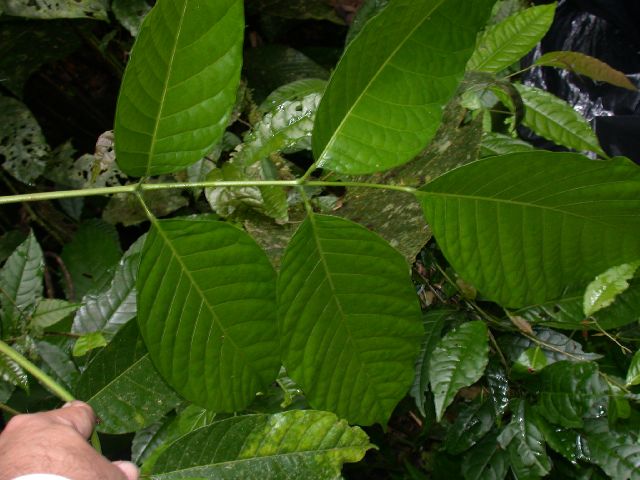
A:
[128,469]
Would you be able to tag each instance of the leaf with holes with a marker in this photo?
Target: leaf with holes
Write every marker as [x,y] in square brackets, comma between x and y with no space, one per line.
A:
[180,85]
[21,285]
[556,120]
[206,309]
[379,111]
[349,319]
[122,384]
[458,361]
[607,286]
[522,227]
[588,66]
[505,43]
[306,444]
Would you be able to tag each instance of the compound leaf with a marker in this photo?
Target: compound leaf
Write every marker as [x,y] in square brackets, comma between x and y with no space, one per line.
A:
[607,286]
[379,111]
[522,227]
[556,120]
[586,65]
[507,42]
[349,320]
[312,444]
[122,384]
[206,309]
[180,85]
[458,361]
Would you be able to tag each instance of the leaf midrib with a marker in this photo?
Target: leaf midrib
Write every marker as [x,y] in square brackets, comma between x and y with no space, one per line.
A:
[118,377]
[334,136]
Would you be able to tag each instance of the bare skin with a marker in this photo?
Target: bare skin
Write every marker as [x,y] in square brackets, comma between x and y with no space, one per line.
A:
[56,442]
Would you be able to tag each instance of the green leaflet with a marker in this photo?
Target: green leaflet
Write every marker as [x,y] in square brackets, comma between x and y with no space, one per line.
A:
[206,309]
[607,286]
[21,285]
[499,144]
[505,43]
[349,320]
[525,444]
[617,454]
[379,111]
[291,92]
[433,323]
[458,361]
[633,373]
[486,460]
[179,86]
[567,390]
[297,444]
[121,384]
[87,342]
[48,9]
[555,120]
[588,66]
[522,227]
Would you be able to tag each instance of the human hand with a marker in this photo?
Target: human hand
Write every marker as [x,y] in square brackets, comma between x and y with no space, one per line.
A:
[56,442]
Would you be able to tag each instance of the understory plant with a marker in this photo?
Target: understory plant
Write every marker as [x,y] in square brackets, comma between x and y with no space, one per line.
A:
[421,264]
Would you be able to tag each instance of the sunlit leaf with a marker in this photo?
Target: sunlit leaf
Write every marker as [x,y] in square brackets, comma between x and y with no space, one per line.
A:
[617,454]
[123,386]
[381,110]
[556,120]
[458,361]
[312,444]
[522,227]
[206,309]
[505,43]
[180,85]
[349,319]
[586,65]
[603,291]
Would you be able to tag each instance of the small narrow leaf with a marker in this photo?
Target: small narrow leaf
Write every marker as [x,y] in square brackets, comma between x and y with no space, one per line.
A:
[458,361]
[617,454]
[433,323]
[522,227]
[21,284]
[349,319]
[312,444]
[88,342]
[180,85]
[567,391]
[206,309]
[379,111]
[633,374]
[607,286]
[486,460]
[554,119]
[121,384]
[507,42]
[585,65]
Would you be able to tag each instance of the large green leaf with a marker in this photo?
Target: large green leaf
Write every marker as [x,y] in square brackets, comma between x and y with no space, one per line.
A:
[505,43]
[122,385]
[349,319]
[522,227]
[379,111]
[567,391]
[556,120]
[486,461]
[21,285]
[297,444]
[603,291]
[180,85]
[47,9]
[458,361]
[206,308]
[617,454]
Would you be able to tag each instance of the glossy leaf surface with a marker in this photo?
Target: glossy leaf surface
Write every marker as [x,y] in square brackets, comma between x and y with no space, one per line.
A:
[180,85]
[379,111]
[472,423]
[555,120]
[458,361]
[486,461]
[349,319]
[122,384]
[603,291]
[297,444]
[507,42]
[522,227]
[633,374]
[206,309]
[617,454]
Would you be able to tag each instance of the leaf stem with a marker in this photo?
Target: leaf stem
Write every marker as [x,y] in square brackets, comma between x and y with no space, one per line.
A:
[9,410]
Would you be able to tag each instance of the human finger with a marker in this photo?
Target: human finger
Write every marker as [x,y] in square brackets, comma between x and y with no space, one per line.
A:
[129,469]
[77,415]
